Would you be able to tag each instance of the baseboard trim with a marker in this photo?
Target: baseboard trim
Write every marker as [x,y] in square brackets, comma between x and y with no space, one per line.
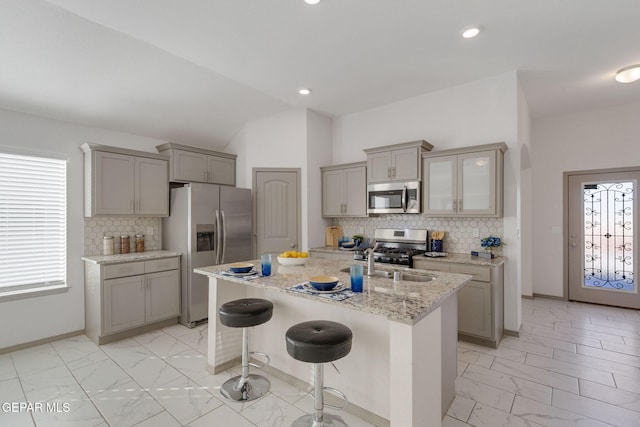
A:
[41,341]
[550,297]
[330,399]
[477,340]
[136,331]
[512,333]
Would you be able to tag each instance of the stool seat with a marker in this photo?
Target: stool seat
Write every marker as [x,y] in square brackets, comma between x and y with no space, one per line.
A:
[318,341]
[245,312]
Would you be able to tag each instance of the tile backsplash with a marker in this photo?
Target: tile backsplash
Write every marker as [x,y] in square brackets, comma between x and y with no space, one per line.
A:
[458,236]
[96,228]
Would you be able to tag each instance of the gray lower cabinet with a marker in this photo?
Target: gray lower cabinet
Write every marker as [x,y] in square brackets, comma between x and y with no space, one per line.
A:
[480,301]
[128,298]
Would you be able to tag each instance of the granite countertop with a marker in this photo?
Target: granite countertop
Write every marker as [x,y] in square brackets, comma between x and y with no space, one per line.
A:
[464,259]
[332,250]
[451,257]
[134,256]
[404,301]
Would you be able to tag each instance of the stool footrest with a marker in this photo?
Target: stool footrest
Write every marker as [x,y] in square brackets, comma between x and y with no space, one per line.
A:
[258,365]
[334,391]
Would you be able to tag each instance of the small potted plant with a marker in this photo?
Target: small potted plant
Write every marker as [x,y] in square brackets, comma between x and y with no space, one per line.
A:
[489,244]
[357,239]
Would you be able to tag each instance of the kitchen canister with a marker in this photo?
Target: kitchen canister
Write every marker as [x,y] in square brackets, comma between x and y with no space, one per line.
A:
[139,242]
[107,245]
[125,244]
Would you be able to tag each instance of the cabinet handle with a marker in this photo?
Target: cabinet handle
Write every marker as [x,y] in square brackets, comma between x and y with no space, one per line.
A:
[388,172]
[460,205]
[455,206]
[393,171]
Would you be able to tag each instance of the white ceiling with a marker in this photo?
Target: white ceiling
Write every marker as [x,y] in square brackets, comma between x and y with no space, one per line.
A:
[194,71]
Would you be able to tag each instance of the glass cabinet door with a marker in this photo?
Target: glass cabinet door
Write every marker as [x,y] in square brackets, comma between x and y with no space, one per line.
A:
[440,187]
[477,183]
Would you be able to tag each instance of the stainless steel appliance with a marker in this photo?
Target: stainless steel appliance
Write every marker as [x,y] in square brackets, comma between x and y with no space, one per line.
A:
[394,197]
[209,224]
[397,246]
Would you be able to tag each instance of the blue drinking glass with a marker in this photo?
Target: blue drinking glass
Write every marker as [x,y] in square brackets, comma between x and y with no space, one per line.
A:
[357,273]
[266,264]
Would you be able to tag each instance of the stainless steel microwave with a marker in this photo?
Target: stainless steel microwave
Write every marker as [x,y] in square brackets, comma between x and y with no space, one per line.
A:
[394,197]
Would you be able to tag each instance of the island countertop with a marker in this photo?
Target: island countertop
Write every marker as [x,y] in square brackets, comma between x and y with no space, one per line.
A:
[403,301]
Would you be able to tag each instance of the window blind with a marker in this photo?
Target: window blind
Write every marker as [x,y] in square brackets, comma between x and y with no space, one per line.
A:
[32,222]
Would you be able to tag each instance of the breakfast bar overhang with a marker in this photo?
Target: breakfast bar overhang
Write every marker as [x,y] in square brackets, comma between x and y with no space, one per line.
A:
[402,366]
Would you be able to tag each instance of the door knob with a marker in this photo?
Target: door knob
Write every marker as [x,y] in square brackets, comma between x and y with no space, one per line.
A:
[573,245]
[293,245]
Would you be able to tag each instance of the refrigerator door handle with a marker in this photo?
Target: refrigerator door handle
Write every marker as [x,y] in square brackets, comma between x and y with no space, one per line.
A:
[224,237]
[218,238]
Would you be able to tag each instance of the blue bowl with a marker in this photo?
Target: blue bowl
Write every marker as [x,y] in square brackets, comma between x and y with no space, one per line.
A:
[240,267]
[323,283]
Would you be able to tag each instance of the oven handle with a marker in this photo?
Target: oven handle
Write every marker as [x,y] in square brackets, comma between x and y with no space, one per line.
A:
[403,200]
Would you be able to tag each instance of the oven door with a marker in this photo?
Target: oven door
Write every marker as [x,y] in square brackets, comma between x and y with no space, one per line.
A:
[401,197]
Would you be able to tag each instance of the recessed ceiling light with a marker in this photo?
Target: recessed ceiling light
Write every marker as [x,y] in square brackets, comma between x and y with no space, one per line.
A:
[471,32]
[304,91]
[628,74]
[312,1]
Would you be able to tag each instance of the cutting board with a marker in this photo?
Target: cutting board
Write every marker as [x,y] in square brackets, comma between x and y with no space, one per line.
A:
[333,233]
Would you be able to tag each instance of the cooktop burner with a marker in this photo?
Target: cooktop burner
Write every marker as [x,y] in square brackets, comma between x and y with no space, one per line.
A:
[398,246]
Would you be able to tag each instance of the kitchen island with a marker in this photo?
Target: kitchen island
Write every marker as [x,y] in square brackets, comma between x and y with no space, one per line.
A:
[402,366]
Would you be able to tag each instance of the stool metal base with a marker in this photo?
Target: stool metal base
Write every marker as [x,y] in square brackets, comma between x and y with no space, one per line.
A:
[254,387]
[328,421]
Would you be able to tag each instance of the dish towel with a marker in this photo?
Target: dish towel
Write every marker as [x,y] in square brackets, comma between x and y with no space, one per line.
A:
[336,296]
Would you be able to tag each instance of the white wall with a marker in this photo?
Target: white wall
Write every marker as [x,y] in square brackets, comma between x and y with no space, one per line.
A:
[598,139]
[319,151]
[477,113]
[42,317]
[279,141]
[524,195]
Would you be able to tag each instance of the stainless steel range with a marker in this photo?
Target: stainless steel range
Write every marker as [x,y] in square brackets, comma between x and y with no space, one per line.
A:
[397,246]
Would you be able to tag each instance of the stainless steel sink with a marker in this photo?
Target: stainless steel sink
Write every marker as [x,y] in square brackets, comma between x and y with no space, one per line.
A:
[407,277]
[416,277]
[377,273]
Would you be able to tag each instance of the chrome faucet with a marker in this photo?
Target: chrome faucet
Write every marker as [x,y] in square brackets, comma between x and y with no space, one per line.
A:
[370,262]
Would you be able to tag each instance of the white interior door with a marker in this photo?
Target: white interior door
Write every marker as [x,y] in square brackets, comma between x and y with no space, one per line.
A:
[277,210]
[602,217]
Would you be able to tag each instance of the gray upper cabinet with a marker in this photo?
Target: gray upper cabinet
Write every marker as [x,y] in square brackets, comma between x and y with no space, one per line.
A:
[344,190]
[120,182]
[465,182]
[193,164]
[400,162]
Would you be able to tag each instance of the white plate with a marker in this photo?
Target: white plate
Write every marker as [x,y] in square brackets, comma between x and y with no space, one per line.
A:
[250,273]
[339,288]
[435,254]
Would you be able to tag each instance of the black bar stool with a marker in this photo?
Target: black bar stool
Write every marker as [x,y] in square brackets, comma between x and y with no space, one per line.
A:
[318,342]
[244,313]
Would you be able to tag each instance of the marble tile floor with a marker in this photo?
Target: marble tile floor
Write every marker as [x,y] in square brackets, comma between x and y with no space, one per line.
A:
[573,365]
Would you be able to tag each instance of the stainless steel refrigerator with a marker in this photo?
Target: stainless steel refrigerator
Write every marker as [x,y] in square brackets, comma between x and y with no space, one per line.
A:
[209,224]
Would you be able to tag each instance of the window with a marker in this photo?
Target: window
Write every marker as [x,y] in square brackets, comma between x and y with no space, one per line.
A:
[33,217]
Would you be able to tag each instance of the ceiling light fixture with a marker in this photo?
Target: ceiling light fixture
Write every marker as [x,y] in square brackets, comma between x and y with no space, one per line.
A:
[304,91]
[471,32]
[628,74]
[312,1]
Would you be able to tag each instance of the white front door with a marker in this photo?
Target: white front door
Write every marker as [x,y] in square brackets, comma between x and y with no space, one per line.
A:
[603,214]
[277,210]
